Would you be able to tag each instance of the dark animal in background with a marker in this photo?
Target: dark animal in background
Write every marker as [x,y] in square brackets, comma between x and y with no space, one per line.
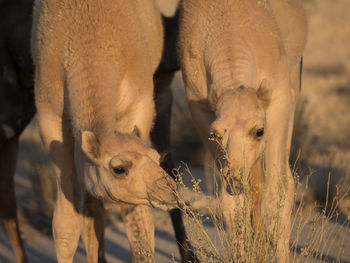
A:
[241,66]
[16,105]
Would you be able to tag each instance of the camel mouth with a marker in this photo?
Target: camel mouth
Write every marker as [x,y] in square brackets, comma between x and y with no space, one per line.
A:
[164,201]
[163,193]
[233,186]
[233,180]
[162,205]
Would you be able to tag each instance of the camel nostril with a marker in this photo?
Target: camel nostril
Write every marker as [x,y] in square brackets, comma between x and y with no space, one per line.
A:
[215,135]
[234,186]
[212,135]
[233,179]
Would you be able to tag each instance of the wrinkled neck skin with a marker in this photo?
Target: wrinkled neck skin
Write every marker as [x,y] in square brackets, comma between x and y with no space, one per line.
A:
[229,64]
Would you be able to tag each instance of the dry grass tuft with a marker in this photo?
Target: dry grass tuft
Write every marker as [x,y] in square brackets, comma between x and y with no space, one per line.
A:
[314,236]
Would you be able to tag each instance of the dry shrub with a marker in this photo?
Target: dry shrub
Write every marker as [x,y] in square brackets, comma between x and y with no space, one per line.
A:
[319,231]
[209,235]
[314,238]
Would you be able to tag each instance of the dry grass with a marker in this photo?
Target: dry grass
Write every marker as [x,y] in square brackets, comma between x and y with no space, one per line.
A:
[313,237]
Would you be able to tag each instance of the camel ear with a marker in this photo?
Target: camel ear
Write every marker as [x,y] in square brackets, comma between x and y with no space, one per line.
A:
[264,94]
[136,132]
[90,146]
[214,93]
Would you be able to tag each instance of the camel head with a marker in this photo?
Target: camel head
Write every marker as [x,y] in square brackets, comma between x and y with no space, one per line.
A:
[122,169]
[239,129]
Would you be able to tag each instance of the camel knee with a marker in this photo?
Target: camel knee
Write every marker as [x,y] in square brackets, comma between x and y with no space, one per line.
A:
[65,222]
[66,244]
[66,235]
[139,227]
[66,229]
[277,203]
[232,208]
[287,190]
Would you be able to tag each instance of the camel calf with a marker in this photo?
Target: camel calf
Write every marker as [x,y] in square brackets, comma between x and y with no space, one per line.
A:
[240,62]
[94,96]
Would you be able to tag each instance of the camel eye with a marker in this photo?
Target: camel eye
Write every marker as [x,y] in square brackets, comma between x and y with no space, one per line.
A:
[119,170]
[259,133]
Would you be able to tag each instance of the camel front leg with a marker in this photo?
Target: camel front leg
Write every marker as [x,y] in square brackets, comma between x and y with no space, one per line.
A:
[92,223]
[279,184]
[58,142]
[236,212]
[139,228]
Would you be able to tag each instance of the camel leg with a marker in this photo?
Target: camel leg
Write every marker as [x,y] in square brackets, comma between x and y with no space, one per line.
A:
[8,208]
[279,184]
[283,247]
[286,181]
[139,228]
[93,224]
[161,140]
[58,141]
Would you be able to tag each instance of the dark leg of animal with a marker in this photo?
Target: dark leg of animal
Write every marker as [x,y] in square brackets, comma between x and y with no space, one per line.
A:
[161,139]
[301,73]
[8,208]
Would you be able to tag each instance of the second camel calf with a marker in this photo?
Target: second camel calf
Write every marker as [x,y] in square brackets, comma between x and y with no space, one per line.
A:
[241,66]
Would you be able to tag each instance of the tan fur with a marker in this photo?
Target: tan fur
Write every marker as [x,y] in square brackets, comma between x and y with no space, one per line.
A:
[240,62]
[95,61]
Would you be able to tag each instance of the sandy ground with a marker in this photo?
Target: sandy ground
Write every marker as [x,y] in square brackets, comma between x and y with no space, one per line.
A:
[323,138]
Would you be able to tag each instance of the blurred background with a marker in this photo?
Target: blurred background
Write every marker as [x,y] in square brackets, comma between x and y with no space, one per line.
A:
[320,150]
